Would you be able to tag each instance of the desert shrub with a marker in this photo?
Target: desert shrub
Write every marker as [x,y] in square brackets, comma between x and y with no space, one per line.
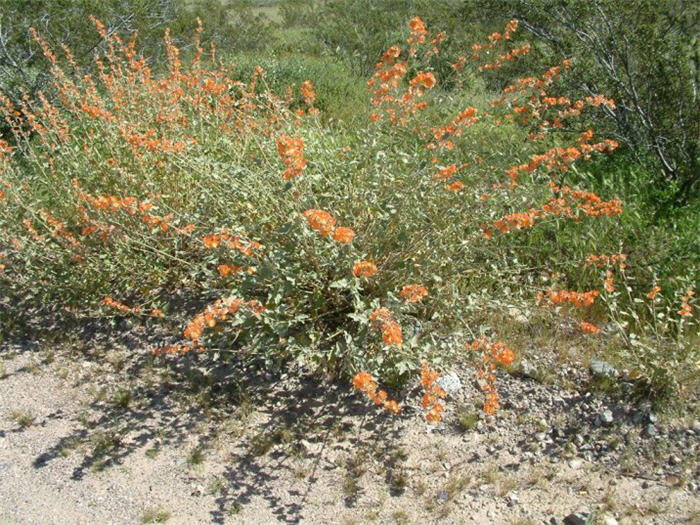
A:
[367,250]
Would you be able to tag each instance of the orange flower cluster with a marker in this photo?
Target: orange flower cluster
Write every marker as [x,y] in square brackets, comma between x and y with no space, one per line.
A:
[218,312]
[383,319]
[233,242]
[491,355]
[148,141]
[570,204]
[501,60]
[560,158]
[324,222]
[601,261]
[432,393]
[686,309]
[364,383]
[321,221]
[418,31]
[292,152]
[226,269]
[58,229]
[442,134]
[588,328]
[5,148]
[364,269]
[493,39]
[423,79]
[32,230]
[387,94]
[171,349]
[343,234]
[307,91]
[413,293]
[577,299]
[111,303]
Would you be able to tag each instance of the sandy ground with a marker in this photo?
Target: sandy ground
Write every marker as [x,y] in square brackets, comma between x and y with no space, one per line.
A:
[108,438]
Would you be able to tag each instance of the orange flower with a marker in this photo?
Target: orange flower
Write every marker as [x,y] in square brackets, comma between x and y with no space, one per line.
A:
[320,220]
[426,80]
[686,310]
[455,186]
[588,328]
[364,269]
[413,293]
[432,392]
[609,284]
[391,330]
[652,293]
[344,235]
[226,269]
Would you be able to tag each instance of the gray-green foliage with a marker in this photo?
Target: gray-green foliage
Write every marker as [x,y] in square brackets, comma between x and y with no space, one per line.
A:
[644,54]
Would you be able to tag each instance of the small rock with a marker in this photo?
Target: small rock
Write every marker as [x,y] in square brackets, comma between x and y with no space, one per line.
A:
[607,519]
[579,518]
[518,315]
[673,481]
[450,383]
[696,427]
[575,464]
[197,490]
[513,499]
[528,370]
[645,484]
[602,369]
[540,436]
[673,460]
[650,431]
[652,418]
[606,417]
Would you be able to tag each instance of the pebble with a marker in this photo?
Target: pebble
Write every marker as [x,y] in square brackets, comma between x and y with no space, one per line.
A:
[602,369]
[579,518]
[450,383]
[650,431]
[528,370]
[696,427]
[606,417]
[576,464]
[607,519]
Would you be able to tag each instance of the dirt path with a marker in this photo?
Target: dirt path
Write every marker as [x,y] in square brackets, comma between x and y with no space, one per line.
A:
[116,437]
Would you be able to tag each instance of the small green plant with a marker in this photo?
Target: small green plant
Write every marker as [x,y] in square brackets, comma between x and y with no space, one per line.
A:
[23,418]
[156,515]
[467,419]
[123,398]
[195,457]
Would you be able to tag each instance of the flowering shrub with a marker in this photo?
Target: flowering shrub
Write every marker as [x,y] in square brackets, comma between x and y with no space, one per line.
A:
[354,253]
